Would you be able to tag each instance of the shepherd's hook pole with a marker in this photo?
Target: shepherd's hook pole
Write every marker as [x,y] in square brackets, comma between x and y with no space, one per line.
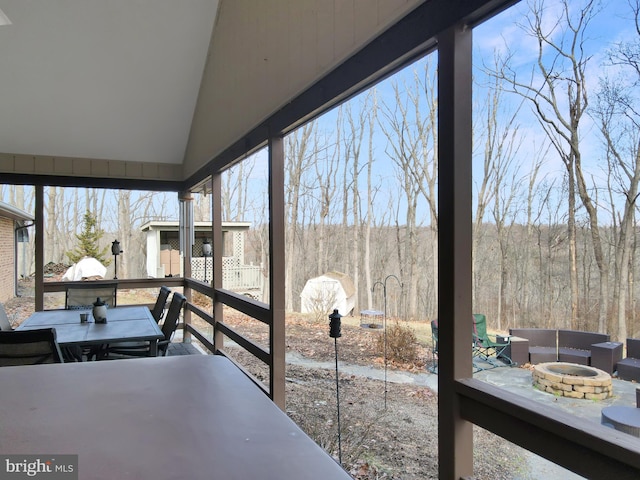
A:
[384,326]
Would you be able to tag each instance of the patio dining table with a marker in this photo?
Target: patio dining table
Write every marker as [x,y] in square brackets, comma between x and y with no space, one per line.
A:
[124,324]
[183,417]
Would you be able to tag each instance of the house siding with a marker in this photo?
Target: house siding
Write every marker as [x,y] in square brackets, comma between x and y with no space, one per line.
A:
[7,259]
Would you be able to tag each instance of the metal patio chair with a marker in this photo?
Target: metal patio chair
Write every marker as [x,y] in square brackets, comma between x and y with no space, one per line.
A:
[161,301]
[29,347]
[143,349]
[433,367]
[5,323]
[81,295]
[487,348]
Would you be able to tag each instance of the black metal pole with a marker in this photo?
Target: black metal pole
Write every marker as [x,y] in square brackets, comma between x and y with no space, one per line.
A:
[334,332]
[115,250]
[384,326]
[384,294]
[338,404]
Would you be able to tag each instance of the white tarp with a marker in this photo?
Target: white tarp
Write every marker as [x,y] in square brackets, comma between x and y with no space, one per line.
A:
[333,290]
[88,267]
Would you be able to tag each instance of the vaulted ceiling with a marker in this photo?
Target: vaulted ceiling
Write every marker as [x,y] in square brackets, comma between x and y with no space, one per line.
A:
[107,80]
[153,89]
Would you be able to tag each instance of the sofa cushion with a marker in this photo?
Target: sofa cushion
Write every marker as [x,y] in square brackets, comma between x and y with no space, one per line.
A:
[542,354]
[629,369]
[633,347]
[538,337]
[579,339]
[574,355]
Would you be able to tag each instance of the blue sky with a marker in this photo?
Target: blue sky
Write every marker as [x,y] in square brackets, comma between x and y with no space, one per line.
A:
[612,24]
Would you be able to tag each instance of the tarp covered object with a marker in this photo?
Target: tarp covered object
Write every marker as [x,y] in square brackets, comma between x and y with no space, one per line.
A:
[86,268]
[333,290]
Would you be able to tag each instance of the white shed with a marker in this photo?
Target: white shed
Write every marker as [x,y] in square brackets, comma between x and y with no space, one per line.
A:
[163,247]
[328,292]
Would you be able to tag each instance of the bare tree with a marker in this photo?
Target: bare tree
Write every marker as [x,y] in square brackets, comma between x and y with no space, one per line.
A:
[559,98]
[354,131]
[426,173]
[503,213]
[500,132]
[299,157]
[618,115]
[411,146]
[524,254]
[371,121]
[326,166]
[235,185]
[51,250]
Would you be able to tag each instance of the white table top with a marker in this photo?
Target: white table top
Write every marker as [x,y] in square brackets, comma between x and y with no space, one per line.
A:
[131,323]
[190,417]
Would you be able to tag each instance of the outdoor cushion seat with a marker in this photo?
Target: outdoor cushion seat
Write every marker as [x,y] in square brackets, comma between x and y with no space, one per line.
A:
[574,346]
[542,343]
[542,354]
[629,368]
[574,355]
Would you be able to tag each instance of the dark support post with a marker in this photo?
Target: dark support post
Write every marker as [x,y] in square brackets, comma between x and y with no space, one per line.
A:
[455,440]
[186,201]
[276,270]
[216,232]
[39,247]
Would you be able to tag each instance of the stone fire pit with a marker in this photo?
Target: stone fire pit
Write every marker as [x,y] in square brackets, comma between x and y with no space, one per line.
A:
[571,380]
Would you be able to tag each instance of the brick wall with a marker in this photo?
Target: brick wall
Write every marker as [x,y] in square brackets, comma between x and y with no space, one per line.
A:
[7,259]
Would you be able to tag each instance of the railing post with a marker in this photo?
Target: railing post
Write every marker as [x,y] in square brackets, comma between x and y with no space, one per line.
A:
[217,242]
[39,249]
[276,271]
[455,435]
[186,200]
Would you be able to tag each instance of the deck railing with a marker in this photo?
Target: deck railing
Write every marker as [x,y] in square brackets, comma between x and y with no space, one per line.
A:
[235,277]
[246,305]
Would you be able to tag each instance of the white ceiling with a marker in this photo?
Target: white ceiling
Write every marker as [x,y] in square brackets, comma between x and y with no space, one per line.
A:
[108,79]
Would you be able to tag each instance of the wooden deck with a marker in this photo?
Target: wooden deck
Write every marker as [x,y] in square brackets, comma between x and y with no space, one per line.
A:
[180,348]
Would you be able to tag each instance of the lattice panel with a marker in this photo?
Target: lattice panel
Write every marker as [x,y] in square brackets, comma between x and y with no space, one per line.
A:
[197,268]
[174,242]
[238,245]
[230,262]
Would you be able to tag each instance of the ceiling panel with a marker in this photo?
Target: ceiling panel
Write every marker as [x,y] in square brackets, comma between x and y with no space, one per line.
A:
[115,79]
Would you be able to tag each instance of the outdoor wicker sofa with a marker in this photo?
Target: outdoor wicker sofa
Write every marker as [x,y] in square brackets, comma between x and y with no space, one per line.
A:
[574,346]
[551,345]
[543,346]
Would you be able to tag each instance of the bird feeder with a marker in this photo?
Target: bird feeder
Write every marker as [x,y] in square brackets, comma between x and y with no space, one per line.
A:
[372,319]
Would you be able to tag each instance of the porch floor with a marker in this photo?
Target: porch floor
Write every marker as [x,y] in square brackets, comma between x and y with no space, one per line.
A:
[180,348]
